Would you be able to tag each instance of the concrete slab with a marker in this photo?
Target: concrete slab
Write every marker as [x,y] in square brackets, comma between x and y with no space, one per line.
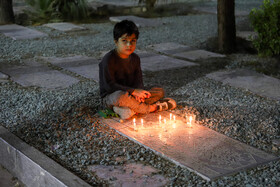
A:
[130,174]
[140,22]
[161,62]
[65,27]
[82,65]
[32,167]
[198,148]
[169,48]
[196,55]
[18,32]
[255,82]
[39,75]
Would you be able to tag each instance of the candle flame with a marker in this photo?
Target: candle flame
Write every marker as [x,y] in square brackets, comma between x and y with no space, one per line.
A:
[164,120]
[170,116]
[174,118]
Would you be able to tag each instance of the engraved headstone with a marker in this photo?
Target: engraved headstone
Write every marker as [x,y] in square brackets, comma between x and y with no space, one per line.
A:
[198,148]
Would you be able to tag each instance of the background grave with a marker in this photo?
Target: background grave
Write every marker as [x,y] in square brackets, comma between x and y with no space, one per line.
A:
[33,73]
[18,32]
[255,82]
[82,65]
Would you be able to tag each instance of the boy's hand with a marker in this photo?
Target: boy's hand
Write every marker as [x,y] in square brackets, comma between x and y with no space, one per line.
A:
[140,95]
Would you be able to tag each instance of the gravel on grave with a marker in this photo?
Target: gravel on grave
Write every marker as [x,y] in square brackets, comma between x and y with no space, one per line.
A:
[63,125]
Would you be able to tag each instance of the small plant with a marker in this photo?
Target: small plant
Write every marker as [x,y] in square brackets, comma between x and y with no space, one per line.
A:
[107,113]
[59,10]
[266,22]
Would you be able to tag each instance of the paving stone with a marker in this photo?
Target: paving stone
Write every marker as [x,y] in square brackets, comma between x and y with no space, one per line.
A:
[255,82]
[140,22]
[198,55]
[39,75]
[196,147]
[18,32]
[247,35]
[82,65]
[161,62]
[130,174]
[169,48]
[66,27]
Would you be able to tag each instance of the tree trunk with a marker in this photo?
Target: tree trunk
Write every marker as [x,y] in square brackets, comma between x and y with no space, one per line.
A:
[226,26]
[6,12]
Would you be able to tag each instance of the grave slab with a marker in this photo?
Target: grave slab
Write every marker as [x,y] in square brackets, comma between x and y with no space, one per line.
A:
[161,62]
[169,48]
[130,174]
[196,55]
[65,27]
[39,75]
[255,82]
[140,22]
[198,148]
[18,32]
[82,65]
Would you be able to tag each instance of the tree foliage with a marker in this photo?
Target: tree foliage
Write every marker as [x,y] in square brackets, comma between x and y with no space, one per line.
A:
[266,22]
[61,10]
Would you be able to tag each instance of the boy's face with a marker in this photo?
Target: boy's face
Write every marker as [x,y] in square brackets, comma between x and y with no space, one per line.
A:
[126,45]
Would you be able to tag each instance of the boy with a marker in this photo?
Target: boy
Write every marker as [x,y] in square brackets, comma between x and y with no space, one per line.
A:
[120,77]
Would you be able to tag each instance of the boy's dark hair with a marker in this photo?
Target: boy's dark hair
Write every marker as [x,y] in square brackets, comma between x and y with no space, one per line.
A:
[125,27]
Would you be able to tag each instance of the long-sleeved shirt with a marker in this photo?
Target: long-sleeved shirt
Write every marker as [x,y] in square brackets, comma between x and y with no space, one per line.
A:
[116,73]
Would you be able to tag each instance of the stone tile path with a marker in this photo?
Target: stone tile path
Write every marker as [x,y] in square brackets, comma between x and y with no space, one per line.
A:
[18,32]
[66,27]
[255,82]
[39,75]
[200,149]
[130,174]
[82,65]
[140,22]
[3,77]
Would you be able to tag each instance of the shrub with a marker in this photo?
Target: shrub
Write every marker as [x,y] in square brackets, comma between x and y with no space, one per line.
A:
[266,22]
[61,10]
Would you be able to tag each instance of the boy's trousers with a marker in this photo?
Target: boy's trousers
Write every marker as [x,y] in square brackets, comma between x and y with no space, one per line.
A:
[124,99]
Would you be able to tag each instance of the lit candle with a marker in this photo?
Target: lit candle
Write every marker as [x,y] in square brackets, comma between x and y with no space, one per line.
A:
[170,116]
[174,118]
[142,123]
[164,121]
[159,118]
[134,124]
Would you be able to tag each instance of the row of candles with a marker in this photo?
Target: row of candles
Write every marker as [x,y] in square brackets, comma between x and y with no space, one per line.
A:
[172,119]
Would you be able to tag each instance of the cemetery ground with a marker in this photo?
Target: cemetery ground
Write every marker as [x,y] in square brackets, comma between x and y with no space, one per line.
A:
[62,121]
